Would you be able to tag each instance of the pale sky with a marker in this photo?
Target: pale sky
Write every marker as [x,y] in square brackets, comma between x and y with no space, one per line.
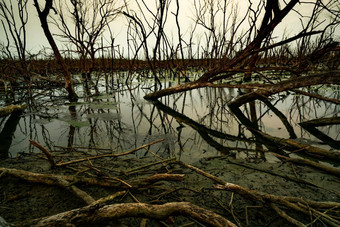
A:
[36,39]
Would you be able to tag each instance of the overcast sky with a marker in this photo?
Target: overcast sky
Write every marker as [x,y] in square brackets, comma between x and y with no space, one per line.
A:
[36,39]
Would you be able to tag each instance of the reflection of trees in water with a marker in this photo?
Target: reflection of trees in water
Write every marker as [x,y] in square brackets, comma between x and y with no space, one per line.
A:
[7,133]
[281,145]
[205,111]
[311,127]
[210,120]
[219,117]
[307,108]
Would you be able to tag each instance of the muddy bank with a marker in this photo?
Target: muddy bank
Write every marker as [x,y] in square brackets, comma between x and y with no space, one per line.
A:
[21,200]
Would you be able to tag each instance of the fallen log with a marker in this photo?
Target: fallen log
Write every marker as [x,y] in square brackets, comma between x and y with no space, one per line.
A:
[52,179]
[300,146]
[101,214]
[268,90]
[310,163]
[48,179]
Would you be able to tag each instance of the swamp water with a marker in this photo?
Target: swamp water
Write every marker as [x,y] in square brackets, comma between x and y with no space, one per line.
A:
[197,128]
[193,124]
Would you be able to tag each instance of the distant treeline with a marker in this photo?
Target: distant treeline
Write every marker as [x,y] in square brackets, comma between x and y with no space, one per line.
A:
[45,67]
[49,66]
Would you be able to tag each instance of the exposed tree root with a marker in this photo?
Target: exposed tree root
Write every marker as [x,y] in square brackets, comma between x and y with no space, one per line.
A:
[322,121]
[45,151]
[53,164]
[311,127]
[284,215]
[296,145]
[100,214]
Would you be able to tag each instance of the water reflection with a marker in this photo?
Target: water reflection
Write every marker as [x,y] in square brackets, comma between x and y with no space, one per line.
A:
[311,127]
[194,124]
[7,133]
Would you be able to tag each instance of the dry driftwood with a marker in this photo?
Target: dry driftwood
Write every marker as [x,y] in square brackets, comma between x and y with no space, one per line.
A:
[6,110]
[51,179]
[311,163]
[286,201]
[268,90]
[101,214]
[289,202]
[300,146]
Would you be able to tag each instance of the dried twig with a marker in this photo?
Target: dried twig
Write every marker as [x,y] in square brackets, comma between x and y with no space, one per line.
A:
[45,151]
[285,216]
[107,155]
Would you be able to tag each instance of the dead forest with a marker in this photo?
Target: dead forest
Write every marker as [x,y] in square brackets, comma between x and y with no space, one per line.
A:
[231,121]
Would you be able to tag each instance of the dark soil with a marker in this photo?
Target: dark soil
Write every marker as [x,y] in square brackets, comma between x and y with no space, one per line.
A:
[21,201]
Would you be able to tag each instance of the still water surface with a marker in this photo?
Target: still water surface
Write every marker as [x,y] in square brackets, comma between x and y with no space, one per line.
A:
[194,124]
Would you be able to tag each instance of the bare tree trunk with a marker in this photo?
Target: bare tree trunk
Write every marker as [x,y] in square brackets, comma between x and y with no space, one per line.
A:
[43,20]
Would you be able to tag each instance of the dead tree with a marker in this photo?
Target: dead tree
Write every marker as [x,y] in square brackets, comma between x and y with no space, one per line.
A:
[14,18]
[151,24]
[273,16]
[82,23]
[43,14]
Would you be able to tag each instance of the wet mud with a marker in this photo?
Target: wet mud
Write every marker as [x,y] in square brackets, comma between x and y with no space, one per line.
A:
[21,200]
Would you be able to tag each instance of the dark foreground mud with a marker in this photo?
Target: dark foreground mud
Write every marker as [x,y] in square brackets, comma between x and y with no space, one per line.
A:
[21,201]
